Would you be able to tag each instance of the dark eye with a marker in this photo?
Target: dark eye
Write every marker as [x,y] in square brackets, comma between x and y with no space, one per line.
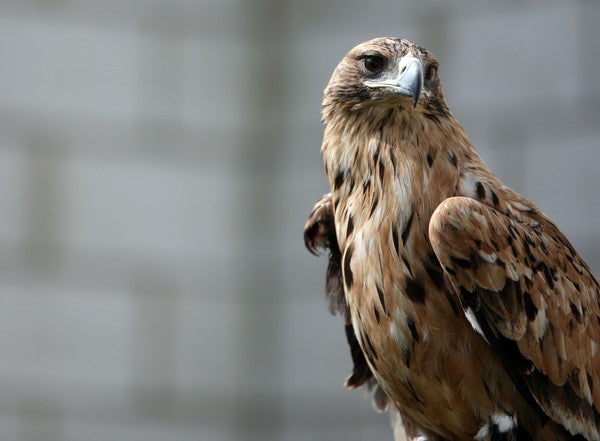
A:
[430,72]
[374,63]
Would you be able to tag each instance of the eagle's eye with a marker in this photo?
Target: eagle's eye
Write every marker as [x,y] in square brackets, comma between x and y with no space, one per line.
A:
[430,72]
[374,64]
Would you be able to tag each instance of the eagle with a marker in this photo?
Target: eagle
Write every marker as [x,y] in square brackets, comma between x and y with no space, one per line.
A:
[466,309]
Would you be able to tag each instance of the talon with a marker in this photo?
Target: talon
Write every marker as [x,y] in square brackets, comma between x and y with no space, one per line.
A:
[319,227]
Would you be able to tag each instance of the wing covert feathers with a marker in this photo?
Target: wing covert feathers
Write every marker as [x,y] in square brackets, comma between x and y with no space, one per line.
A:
[535,301]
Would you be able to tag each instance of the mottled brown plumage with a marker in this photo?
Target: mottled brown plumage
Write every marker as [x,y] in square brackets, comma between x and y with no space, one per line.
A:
[463,303]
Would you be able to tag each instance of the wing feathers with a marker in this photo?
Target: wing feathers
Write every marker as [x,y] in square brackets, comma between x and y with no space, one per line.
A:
[526,284]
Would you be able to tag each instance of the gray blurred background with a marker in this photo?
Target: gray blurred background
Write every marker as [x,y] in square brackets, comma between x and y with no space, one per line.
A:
[157,162]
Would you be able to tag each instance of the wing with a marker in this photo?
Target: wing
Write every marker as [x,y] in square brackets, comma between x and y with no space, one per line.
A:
[527,291]
[319,236]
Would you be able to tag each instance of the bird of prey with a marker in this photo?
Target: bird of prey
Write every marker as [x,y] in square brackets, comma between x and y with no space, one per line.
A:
[465,307]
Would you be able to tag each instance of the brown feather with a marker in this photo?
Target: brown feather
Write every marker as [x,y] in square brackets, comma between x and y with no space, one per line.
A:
[560,332]
[432,251]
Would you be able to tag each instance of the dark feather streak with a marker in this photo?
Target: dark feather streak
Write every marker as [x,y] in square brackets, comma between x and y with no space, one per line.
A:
[395,240]
[453,159]
[381,298]
[350,228]
[575,311]
[495,200]
[414,290]
[413,330]
[530,309]
[432,267]
[339,179]
[369,349]
[361,372]
[348,277]
[407,227]
[480,190]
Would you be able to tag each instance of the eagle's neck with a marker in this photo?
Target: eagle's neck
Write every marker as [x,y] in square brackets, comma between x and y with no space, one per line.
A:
[381,167]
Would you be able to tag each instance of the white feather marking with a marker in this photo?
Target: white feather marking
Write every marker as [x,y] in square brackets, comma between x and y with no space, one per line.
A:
[593,347]
[356,328]
[398,336]
[483,433]
[504,422]
[572,425]
[519,206]
[560,289]
[467,186]
[377,216]
[403,191]
[491,258]
[474,323]
[480,218]
[540,324]
[512,273]
[359,244]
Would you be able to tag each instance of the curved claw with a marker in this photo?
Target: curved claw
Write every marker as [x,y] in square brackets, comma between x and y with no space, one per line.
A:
[311,237]
[319,229]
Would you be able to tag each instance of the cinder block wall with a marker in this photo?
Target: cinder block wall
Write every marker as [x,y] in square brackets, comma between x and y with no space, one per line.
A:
[157,162]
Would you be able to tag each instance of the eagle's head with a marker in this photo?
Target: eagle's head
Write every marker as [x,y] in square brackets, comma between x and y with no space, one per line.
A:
[386,74]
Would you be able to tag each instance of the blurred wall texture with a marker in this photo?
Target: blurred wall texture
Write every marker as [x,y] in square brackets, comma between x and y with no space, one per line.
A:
[157,162]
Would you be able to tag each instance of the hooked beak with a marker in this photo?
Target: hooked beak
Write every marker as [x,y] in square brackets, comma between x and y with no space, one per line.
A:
[409,81]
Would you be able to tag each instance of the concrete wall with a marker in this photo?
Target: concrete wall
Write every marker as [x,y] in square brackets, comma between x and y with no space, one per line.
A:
[157,162]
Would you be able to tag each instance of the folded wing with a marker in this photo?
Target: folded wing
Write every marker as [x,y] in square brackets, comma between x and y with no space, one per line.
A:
[527,291]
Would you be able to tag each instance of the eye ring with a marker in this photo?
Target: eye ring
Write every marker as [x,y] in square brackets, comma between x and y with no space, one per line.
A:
[373,64]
